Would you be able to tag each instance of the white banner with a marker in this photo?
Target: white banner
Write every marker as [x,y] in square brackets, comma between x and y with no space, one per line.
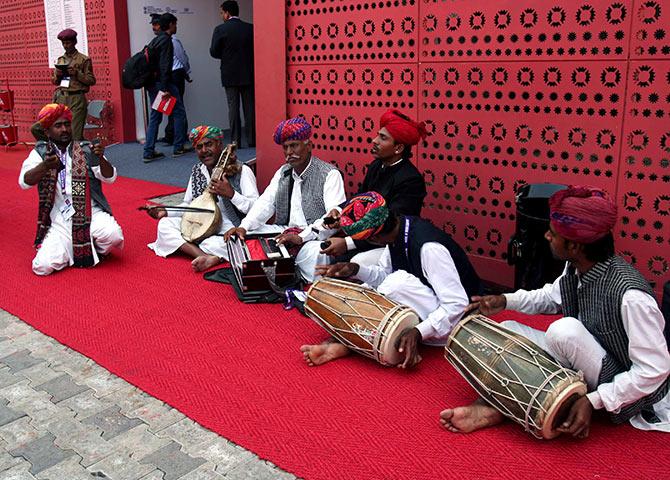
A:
[62,14]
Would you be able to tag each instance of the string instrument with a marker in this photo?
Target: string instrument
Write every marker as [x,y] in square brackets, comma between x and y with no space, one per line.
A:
[198,225]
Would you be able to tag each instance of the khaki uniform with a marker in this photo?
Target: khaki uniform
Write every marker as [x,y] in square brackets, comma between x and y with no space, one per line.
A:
[74,95]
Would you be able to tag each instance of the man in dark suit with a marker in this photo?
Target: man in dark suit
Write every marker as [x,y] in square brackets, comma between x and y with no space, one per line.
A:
[233,44]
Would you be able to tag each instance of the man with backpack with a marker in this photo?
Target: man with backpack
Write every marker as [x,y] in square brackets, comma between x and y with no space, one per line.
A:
[161,54]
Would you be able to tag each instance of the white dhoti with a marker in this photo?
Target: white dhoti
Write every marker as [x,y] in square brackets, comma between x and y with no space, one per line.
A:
[406,289]
[169,239]
[308,258]
[56,250]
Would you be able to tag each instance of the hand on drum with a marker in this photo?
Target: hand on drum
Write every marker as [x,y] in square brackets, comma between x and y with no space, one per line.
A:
[239,232]
[337,270]
[578,421]
[408,343]
[488,304]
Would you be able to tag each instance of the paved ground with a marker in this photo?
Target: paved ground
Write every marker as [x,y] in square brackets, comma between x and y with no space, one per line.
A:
[127,158]
[64,417]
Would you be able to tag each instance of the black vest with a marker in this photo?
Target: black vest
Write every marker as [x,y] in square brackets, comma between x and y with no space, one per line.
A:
[597,304]
[408,257]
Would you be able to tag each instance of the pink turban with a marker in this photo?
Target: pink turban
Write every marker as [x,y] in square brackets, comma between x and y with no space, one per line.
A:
[52,112]
[403,129]
[582,214]
[292,129]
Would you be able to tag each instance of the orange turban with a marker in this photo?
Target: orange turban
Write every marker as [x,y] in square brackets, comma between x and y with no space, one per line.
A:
[582,214]
[403,129]
[52,112]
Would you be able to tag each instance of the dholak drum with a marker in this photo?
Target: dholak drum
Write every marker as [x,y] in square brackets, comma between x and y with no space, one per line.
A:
[362,319]
[513,374]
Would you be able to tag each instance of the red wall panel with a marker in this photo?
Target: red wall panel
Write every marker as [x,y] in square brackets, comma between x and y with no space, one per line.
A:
[513,92]
[24,61]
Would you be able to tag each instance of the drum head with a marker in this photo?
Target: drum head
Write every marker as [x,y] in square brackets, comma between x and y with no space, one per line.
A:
[396,321]
[560,408]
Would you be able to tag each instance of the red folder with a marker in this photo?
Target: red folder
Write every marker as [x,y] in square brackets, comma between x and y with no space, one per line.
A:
[163,104]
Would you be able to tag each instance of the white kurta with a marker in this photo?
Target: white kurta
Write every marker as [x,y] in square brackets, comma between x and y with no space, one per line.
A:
[647,349]
[440,307]
[56,250]
[264,208]
[169,237]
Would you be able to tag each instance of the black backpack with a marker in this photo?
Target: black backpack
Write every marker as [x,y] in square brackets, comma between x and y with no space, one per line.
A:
[137,71]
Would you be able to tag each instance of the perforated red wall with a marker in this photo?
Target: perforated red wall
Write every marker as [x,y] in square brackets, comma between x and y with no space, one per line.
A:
[514,92]
[24,60]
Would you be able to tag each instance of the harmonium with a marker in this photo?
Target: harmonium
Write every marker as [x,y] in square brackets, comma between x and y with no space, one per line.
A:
[260,264]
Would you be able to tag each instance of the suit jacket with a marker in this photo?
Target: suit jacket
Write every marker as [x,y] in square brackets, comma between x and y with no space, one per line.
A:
[233,44]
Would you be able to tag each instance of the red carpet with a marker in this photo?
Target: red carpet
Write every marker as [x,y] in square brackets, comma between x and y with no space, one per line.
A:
[237,370]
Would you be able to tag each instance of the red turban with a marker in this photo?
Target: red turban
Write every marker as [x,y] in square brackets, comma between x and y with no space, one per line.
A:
[67,34]
[52,112]
[292,129]
[582,214]
[403,129]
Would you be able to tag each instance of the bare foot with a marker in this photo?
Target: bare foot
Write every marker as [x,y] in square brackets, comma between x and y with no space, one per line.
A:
[325,352]
[470,418]
[204,262]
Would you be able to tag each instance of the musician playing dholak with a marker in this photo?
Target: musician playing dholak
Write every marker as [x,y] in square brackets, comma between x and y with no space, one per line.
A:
[612,329]
[421,267]
[236,191]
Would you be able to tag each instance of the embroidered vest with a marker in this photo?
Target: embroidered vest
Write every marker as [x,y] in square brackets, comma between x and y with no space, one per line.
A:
[93,161]
[420,232]
[597,304]
[313,179]
[199,183]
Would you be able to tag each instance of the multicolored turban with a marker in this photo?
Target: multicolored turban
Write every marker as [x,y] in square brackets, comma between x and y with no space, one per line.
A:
[403,129]
[582,214]
[364,215]
[52,112]
[204,131]
[292,129]
[67,34]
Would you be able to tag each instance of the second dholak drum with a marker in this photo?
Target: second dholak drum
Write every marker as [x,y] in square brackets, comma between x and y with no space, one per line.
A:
[513,374]
[362,319]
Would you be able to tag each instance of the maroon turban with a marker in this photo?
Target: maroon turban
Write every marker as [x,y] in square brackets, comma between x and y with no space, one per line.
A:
[582,214]
[52,112]
[67,34]
[403,129]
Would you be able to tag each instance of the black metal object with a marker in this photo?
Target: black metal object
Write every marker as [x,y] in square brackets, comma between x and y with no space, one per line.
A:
[528,250]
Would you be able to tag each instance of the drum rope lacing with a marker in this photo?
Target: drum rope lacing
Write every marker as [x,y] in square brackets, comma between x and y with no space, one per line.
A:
[528,422]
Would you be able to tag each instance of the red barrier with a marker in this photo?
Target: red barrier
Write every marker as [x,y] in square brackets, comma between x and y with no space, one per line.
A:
[9,135]
[6,100]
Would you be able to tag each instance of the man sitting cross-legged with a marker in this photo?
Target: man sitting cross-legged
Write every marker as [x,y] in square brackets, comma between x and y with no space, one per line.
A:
[421,267]
[75,225]
[612,329]
[236,191]
[299,195]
